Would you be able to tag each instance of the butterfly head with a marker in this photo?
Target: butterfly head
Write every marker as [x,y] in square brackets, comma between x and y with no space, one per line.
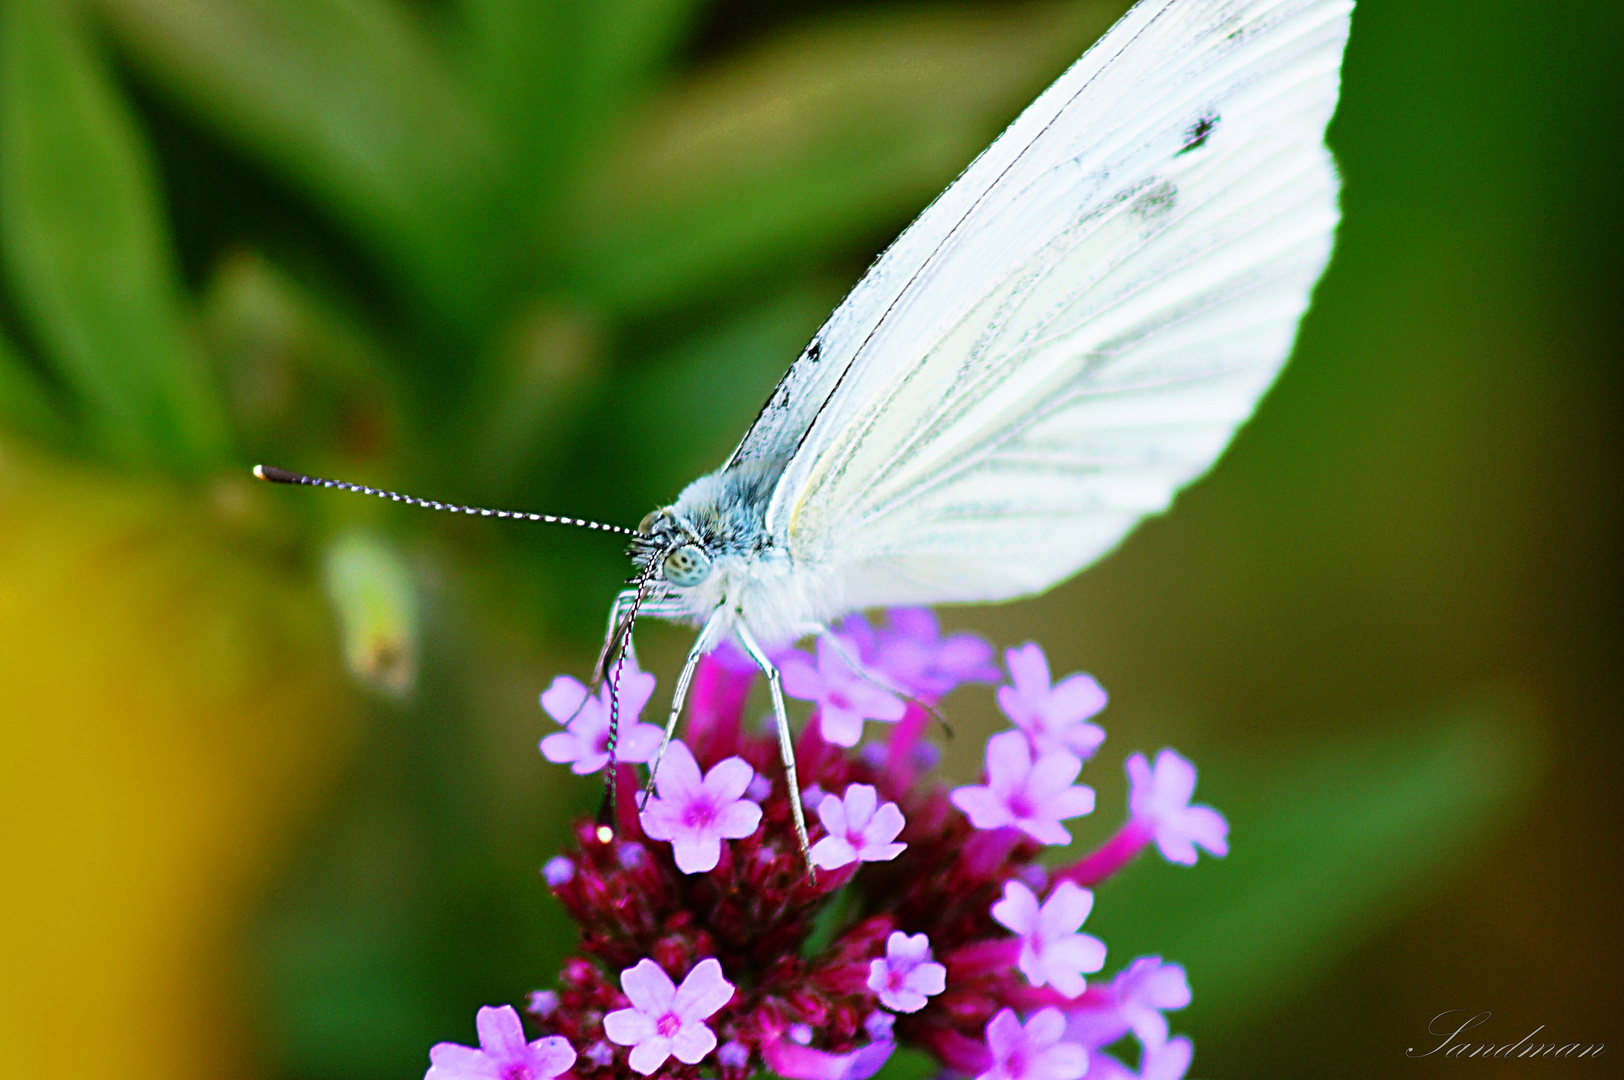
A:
[711,532]
[668,548]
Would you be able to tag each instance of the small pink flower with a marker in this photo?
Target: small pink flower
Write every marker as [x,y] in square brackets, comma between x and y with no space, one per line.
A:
[907,977]
[1160,798]
[845,697]
[1134,1002]
[1053,953]
[503,1054]
[697,812]
[1052,717]
[666,1019]
[1167,1062]
[1034,796]
[912,654]
[584,742]
[860,829]
[1033,1052]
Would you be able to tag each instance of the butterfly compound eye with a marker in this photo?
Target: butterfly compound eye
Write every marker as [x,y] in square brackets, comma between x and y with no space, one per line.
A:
[687,565]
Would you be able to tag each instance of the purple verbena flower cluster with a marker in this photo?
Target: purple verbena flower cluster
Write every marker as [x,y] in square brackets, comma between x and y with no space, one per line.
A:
[706,951]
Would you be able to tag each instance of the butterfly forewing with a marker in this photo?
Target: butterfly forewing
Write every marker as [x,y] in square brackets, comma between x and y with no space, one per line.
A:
[1075,329]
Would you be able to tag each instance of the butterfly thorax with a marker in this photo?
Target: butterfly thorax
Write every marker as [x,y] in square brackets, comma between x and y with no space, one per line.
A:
[711,550]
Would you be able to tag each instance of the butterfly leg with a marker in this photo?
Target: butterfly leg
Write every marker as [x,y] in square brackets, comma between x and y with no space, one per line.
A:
[786,744]
[702,645]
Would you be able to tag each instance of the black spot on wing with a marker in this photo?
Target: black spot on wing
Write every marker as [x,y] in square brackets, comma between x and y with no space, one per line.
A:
[814,351]
[1195,136]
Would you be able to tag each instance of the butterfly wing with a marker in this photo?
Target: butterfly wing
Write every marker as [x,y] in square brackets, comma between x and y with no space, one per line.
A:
[1075,328]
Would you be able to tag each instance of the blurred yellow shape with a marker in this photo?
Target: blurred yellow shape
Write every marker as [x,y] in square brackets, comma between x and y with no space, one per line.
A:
[169,709]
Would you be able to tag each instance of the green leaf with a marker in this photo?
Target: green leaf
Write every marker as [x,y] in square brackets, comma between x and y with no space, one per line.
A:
[25,405]
[825,134]
[1324,850]
[554,71]
[351,99]
[85,248]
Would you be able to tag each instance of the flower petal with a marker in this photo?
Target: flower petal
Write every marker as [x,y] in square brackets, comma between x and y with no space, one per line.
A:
[679,777]
[1070,802]
[1175,778]
[832,812]
[550,1056]
[703,992]
[1029,671]
[1045,1028]
[452,1061]
[562,700]
[696,852]
[638,743]
[860,800]
[1053,773]
[984,809]
[1044,830]
[501,1035]
[1062,1061]
[692,1043]
[649,1054]
[628,1027]
[833,852]
[1170,1062]
[1009,761]
[648,987]
[737,820]
[1018,910]
[729,779]
[1065,910]
[1004,1035]
[1207,827]
[1076,698]
[885,825]
[842,727]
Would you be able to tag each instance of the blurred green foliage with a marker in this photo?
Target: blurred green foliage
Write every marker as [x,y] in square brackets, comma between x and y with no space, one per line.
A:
[554,254]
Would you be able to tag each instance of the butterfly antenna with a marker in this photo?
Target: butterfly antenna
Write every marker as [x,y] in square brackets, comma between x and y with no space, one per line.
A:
[283,476]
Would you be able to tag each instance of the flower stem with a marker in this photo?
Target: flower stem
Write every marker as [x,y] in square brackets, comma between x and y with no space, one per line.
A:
[1111,856]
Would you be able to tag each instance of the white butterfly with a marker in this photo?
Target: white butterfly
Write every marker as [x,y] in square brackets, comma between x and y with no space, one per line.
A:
[1068,335]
